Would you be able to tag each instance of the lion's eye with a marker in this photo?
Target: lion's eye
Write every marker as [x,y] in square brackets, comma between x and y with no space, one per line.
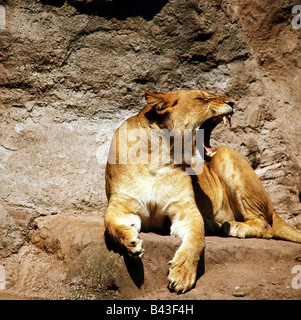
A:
[199,98]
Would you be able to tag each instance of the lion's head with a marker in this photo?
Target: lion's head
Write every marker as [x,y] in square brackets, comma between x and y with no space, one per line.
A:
[190,109]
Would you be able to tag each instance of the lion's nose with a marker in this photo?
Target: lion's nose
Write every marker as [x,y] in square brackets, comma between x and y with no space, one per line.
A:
[230,103]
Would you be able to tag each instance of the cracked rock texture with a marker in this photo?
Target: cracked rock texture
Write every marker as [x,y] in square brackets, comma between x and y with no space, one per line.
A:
[72,71]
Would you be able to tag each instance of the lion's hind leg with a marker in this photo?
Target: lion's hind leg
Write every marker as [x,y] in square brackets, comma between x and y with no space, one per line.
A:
[251,229]
[252,214]
[123,227]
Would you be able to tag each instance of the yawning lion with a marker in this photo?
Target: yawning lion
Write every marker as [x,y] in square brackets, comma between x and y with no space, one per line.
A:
[143,189]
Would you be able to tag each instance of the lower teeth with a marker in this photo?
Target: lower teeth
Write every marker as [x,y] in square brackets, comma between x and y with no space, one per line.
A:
[211,154]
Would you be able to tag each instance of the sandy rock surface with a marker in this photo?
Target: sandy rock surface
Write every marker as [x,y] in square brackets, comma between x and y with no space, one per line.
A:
[68,257]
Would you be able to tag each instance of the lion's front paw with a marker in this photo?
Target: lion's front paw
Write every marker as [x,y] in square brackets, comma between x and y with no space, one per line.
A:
[182,274]
[135,249]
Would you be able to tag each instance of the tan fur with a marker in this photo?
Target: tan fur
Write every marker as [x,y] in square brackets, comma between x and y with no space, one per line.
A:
[232,199]
[141,196]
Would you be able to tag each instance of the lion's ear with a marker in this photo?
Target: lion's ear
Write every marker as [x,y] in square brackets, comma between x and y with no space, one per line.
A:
[157,101]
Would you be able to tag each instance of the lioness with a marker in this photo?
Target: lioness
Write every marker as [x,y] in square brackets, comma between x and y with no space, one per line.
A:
[231,197]
[141,195]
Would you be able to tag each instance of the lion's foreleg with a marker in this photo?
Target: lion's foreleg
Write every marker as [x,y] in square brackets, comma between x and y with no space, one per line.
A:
[123,227]
[188,225]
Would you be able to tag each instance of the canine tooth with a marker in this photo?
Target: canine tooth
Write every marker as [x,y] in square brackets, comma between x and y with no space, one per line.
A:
[225,120]
[229,120]
[211,154]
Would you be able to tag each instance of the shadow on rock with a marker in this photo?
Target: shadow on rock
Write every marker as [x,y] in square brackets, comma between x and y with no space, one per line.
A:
[201,266]
[134,267]
[120,9]
[135,270]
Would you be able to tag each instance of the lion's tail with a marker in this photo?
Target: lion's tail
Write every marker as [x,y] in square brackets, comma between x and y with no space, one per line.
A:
[283,231]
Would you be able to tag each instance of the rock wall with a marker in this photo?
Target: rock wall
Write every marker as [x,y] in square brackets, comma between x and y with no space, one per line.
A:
[71,71]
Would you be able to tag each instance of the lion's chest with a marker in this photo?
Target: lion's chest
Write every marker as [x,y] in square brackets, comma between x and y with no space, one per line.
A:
[155,193]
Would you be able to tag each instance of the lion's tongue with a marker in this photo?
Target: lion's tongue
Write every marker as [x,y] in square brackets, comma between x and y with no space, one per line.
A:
[207,148]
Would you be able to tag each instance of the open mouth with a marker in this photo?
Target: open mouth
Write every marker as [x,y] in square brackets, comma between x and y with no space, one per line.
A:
[208,127]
